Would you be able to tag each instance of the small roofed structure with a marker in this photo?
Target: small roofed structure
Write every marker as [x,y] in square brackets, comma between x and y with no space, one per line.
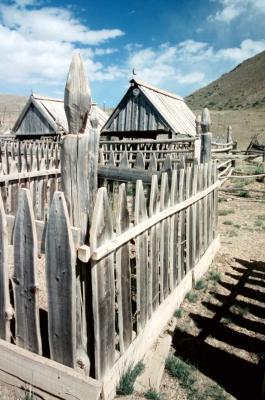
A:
[148,112]
[45,116]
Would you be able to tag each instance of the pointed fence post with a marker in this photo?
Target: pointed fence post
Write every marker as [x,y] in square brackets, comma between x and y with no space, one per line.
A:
[79,163]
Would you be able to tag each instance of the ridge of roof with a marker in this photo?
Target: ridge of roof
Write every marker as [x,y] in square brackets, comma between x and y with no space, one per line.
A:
[40,97]
[155,89]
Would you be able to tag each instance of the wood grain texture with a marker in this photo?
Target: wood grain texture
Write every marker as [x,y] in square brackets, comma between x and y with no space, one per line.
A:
[6,311]
[77,97]
[173,237]
[123,274]
[25,282]
[61,283]
[103,287]
[141,250]
[164,238]
[154,207]
[48,378]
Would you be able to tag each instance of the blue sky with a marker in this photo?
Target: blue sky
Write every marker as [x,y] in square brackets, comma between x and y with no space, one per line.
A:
[176,45]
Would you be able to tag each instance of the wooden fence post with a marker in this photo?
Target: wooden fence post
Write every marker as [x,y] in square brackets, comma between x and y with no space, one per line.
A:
[206,147]
[79,161]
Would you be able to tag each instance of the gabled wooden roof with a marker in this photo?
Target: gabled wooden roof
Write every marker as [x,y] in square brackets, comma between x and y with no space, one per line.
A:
[168,110]
[53,111]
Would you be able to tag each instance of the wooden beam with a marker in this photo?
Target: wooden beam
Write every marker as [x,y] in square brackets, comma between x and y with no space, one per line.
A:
[51,379]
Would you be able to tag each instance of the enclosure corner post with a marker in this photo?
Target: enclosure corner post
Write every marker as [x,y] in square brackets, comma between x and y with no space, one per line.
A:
[79,163]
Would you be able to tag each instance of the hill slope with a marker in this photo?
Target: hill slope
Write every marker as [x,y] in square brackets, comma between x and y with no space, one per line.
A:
[241,88]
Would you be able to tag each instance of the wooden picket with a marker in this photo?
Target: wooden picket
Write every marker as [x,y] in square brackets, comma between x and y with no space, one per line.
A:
[103,287]
[5,307]
[61,283]
[25,281]
[141,250]
[123,275]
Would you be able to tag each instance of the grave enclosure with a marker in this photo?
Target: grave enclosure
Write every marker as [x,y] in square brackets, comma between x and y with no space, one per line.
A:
[99,243]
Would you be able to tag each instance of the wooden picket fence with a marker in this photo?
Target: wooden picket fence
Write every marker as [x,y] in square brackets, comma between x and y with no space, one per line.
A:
[32,166]
[142,245]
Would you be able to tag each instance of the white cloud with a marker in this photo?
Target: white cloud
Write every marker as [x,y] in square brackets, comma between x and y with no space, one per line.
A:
[248,48]
[232,9]
[51,23]
[36,45]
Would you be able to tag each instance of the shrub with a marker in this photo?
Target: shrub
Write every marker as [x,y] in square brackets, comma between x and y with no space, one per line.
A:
[152,394]
[225,212]
[180,370]
[128,379]
[192,297]
[200,284]
[243,193]
[215,276]
[228,223]
[178,313]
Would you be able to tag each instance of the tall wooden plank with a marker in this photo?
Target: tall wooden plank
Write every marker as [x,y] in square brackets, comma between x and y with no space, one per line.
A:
[141,250]
[79,164]
[25,281]
[181,226]
[173,237]
[60,258]
[152,163]
[124,163]
[194,184]
[200,214]
[210,200]
[139,162]
[154,249]
[205,208]
[187,230]
[164,238]
[103,287]
[123,274]
[215,203]
[6,311]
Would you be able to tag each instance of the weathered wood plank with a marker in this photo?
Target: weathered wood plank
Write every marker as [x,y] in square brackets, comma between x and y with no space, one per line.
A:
[141,250]
[123,275]
[154,248]
[103,287]
[6,311]
[173,237]
[194,185]
[187,229]
[164,238]
[47,378]
[77,97]
[25,282]
[60,258]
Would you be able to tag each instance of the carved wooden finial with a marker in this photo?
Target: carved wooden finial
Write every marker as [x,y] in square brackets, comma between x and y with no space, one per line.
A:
[77,96]
[206,120]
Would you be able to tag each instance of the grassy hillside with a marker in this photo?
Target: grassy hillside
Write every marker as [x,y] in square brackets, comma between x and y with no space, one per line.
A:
[241,88]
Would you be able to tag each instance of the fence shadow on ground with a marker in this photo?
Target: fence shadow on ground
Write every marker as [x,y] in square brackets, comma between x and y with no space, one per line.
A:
[241,378]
